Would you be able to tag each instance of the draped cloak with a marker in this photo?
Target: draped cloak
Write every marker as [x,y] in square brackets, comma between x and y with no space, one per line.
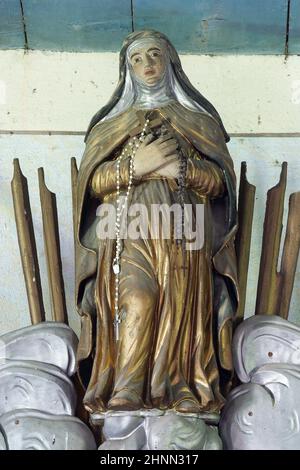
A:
[207,137]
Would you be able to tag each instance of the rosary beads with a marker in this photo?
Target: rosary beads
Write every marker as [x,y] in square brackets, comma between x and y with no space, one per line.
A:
[180,239]
[130,149]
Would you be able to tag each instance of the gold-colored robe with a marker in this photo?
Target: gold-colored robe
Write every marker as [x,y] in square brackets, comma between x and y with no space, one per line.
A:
[171,347]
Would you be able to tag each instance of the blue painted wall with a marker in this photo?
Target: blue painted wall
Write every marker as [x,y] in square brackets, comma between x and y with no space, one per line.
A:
[81,25]
[294,36]
[218,26]
[11,26]
[194,26]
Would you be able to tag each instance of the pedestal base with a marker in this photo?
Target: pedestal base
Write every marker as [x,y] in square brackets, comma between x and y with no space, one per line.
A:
[158,430]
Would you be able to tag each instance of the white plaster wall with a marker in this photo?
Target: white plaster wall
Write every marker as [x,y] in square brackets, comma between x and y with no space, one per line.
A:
[61,91]
[52,153]
[41,92]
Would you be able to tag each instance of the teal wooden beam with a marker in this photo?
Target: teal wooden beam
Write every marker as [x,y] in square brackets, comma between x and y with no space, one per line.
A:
[217,26]
[77,25]
[194,26]
[11,25]
[294,27]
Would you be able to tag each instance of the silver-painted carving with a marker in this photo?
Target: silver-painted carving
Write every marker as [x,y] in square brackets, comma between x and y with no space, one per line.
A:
[37,398]
[34,430]
[264,412]
[264,339]
[49,342]
[159,431]
[29,384]
[3,445]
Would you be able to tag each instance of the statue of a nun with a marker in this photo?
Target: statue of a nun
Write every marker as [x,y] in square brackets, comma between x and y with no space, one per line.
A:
[156,310]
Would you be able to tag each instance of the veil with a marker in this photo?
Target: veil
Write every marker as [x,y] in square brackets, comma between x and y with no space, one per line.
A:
[175,84]
[147,97]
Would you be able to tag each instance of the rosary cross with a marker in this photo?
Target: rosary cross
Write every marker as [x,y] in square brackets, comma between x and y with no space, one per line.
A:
[142,118]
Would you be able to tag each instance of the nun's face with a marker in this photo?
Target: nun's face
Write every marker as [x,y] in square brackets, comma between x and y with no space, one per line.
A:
[148,63]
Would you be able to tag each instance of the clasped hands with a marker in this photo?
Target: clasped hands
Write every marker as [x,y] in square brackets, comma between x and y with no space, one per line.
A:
[157,156]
